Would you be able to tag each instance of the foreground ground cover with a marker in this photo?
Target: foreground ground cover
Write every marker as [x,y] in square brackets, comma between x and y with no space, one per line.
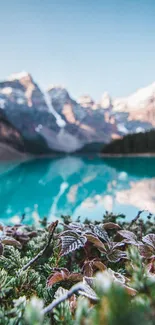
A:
[78,273]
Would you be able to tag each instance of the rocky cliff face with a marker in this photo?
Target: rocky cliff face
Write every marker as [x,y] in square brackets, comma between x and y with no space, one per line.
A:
[40,122]
[23,106]
[83,118]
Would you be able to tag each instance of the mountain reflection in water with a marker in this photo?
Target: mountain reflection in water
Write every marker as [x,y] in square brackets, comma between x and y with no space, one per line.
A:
[76,186]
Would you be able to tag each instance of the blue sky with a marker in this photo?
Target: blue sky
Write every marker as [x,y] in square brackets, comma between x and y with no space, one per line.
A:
[89,46]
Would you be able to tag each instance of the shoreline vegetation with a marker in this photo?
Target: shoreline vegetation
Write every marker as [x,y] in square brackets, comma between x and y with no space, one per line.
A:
[8,153]
[78,273]
[128,155]
[142,143]
[132,145]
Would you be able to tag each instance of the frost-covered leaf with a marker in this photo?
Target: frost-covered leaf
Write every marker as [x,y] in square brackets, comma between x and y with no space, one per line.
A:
[130,291]
[70,303]
[117,244]
[52,226]
[116,255]
[71,243]
[151,266]
[100,232]
[99,265]
[1,249]
[149,240]
[121,280]
[60,292]
[146,251]
[75,277]
[87,290]
[117,276]
[75,226]
[11,241]
[94,240]
[111,225]
[88,268]
[68,232]
[129,236]
[63,275]
[90,281]
[57,277]
[105,279]
[62,311]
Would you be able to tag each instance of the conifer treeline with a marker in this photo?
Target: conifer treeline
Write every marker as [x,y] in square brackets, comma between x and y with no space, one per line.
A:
[132,143]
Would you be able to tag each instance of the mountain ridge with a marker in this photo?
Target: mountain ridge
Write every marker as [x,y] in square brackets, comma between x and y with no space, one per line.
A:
[54,121]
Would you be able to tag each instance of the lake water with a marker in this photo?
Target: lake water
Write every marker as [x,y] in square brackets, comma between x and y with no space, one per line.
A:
[76,186]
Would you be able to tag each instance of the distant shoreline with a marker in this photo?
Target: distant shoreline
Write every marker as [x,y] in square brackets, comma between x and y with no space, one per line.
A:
[7,153]
[118,155]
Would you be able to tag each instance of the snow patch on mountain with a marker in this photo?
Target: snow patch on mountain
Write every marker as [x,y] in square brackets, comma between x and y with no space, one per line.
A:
[63,141]
[2,103]
[60,122]
[13,94]
[121,127]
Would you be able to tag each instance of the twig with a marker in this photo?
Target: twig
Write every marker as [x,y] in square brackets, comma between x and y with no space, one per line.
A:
[135,219]
[41,253]
[22,217]
[56,302]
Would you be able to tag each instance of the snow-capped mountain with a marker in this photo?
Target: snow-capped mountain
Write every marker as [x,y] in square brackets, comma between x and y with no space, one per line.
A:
[35,121]
[20,88]
[140,105]
[138,100]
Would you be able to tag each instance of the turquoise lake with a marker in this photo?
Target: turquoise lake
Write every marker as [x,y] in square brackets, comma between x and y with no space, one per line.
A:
[76,186]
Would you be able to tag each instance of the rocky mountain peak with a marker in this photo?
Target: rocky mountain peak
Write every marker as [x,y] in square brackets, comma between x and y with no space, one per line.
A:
[19,76]
[59,94]
[106,101]
[20,88]
[86,101]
